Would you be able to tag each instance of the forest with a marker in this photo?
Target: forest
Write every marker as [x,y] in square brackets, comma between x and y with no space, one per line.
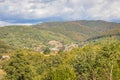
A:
[75,50]
[97,60]
[59,39]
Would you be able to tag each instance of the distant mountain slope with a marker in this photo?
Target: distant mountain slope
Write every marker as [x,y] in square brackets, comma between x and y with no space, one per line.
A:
[67,32]
[80,30]
[27,36]
[113,31]
[99,25]
[73,30]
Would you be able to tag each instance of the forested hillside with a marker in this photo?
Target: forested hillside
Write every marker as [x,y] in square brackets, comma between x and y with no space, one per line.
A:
[75,50]
[94,61]
[28,36]
[65,32]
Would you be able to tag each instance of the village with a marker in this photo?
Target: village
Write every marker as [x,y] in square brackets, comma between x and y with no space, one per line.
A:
[54,47]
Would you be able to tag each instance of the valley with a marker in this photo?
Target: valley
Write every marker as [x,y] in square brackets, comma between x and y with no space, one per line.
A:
[73,50]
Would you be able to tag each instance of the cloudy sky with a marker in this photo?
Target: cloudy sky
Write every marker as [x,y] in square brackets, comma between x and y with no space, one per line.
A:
[36,11]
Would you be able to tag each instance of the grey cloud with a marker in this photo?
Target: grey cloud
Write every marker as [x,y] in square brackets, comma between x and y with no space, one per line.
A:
[66,9]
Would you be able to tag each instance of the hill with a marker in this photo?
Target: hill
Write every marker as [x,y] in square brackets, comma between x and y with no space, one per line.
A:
[83,29]
[65,32]
[95,61]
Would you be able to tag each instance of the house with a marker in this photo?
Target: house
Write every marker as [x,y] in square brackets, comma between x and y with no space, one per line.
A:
[54,43]
[54,50]
[70,47]
[5,57]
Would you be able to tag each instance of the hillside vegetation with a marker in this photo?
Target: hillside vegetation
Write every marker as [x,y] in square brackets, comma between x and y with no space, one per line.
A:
[95,61]
[75,50]
[65,32]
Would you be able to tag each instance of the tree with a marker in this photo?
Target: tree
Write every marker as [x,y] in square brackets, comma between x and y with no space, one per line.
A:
[47,51]
[62,72]
[18,68]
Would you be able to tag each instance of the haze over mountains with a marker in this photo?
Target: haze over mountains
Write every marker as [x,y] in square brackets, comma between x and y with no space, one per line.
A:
[66,32]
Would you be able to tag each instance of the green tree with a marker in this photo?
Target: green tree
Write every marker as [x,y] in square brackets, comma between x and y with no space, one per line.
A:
[62,72]
[47,51]
[18,68]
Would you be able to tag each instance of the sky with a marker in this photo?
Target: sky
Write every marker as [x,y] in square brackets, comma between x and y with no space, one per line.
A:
[27,12]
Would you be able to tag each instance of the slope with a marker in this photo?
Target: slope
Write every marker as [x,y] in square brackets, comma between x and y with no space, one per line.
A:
[66,32]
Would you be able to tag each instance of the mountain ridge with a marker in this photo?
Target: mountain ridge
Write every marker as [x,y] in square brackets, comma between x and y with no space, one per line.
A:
[66,32]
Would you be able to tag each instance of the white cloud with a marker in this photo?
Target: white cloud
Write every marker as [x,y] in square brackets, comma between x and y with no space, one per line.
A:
[3,23]
[66,9]
[105,10]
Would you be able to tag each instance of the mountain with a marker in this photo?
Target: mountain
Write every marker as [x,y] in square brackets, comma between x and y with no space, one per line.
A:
[28,36]
[80,30]
[65,32]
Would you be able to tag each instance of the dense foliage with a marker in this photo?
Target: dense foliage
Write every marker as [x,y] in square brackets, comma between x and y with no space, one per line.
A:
[95,61]
[67,32]
[45,52]
[4,47]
